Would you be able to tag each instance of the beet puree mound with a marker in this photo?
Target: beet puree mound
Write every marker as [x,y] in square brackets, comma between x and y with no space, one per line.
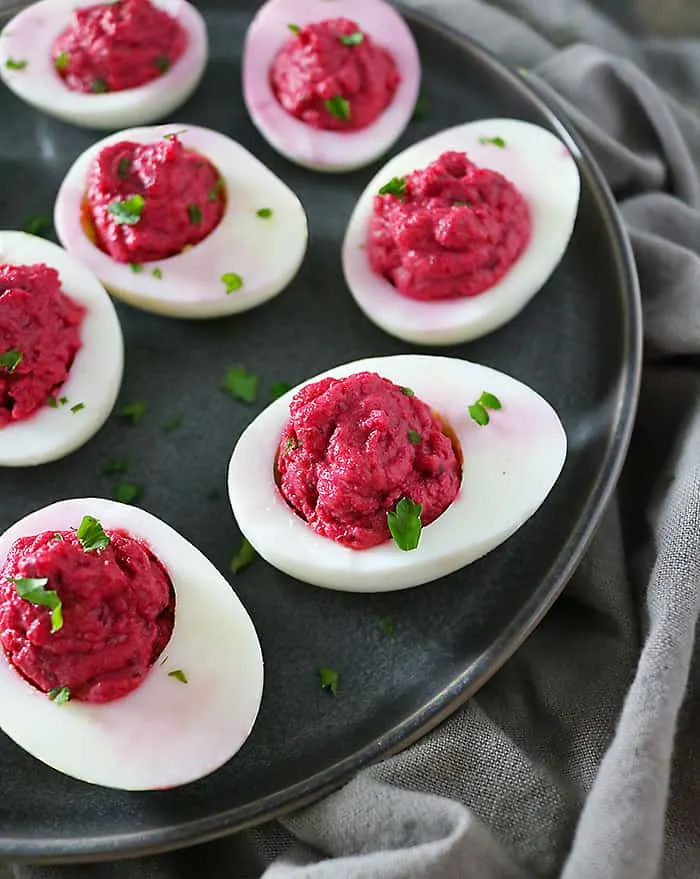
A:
[39,337]
[454,232]
[118,613]
[315,73]
[353,448]
[110,47]
[183,200]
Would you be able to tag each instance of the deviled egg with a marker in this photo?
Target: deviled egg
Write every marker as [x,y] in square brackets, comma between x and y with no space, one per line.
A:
[61,352]
[181,221]
[79,61]
[456,234]
[327,92]
[390,472]
[142,662]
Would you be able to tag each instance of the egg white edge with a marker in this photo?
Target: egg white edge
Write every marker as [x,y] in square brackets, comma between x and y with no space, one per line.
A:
[95,375]
[29,36]
[160,734]
[505,465]
[242,242]
[328,151]
[544,171]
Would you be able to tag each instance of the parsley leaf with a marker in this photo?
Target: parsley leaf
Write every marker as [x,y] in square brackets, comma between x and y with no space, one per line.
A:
[496,141]
[99,86]
[279,389]
[215,191]
[405,524]
[195,213]
[329,679]
[386,624]
[264,213]
[353,39]
[123,167]
[31,589]
[36,224]
[245,556]
[294,28]
[174,134]
[59,695]
[129,210]
[240,384]
[420,109]
[10,360]
[407,392]
[61,61]
[63,400]
[157,273]
[173,424]
[11,64]
[179,675]
[490,401]
[413,437]
[77,408]
[396,186]
[127,492]
[232,282]
[136,267]
[115,465]
[91,534]
[338,106]
[478,410]
[163,64]
[133,411]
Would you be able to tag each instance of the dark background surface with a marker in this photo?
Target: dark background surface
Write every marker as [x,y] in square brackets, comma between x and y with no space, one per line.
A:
[571,345]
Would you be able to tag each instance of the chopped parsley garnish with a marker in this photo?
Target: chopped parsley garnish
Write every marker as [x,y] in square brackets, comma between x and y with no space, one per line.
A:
[99,86]
[386,624]
[407,392]
[157,273]
[115,465]
[63,400]
[215,191]
[396,186]
[278,389]
[91,534]
[133,411]
[353,39]
[31,589]
[59,695]
[195,213]
[292,443]
[163,64]
[294,28]
[264,213]
[174,424]
[77,408]
[127,492]
[329,679]
[338,106]
[61,61]
[478,410]
[179,675]
[496,141]
[11,64]
[10,360]
[173,134]
[36,224]
[240,384]
[129,210]
[232,282]
[52,402]
[420,109]
[405,524]
[245,556]
[413,437]
[58,536]
[136,267]
[123,167]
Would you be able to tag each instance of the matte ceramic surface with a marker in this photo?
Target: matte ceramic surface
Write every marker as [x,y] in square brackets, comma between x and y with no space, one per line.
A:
[577,344]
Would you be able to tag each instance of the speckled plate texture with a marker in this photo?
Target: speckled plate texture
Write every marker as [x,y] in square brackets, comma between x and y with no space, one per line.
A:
[577,343]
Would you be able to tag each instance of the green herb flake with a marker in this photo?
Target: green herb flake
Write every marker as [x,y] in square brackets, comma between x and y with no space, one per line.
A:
[413,437]
[58,536]
[496,141]
[338,106]
[245,556]
[174,134]
[292,443]
[129,210]
[99,86]
[123,167]
[240,384]
[195,213]
[421,108]
[294,28]
[405,524]
[216,190]
[91,534]
[264,213]
[396,186]
[407,392]
[172,425]
[279,389]
[63,400]
[59,695]
[232,282]
[353,39]
[61,61]
[77,408]
[32,589]
[163,64]
[329,679]
[36,224]
[133,412]
[115,465]
[52,402]
[490,401]
[136,267]
[477,410]
[127,492]
[10,360]
[11,64]
[179,675]
[386,626]
[157,273]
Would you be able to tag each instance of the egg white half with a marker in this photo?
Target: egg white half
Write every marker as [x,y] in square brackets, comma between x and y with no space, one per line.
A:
[30,35]
[165,733]
[297,141]
[94,378]
[266,253]
[544,171]
[510,466]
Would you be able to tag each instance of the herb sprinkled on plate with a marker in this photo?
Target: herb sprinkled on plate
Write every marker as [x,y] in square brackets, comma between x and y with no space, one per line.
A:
[133,412]
[179,675]
[329,679]
[396,186]
[240,384]
[245,556]
[353,39]
[338,106]
[495,141]
[478,410]
[232,282]
[405,524]
[32,589]
[59,695]
[10,360]
[127,211]
[91,534]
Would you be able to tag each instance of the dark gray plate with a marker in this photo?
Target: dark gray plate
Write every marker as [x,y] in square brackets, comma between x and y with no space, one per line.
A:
[578,344]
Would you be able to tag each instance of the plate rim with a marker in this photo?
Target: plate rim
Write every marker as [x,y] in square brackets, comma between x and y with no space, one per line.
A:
[451,697]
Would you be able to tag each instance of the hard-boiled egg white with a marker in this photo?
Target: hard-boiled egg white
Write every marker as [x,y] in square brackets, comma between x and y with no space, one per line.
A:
[298,142]
[265,252]
[545,173]
[509,468]
[166,732]
[95,376]
[29,37]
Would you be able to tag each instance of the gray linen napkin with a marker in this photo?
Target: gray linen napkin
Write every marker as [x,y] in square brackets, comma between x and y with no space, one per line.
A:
[579,759]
